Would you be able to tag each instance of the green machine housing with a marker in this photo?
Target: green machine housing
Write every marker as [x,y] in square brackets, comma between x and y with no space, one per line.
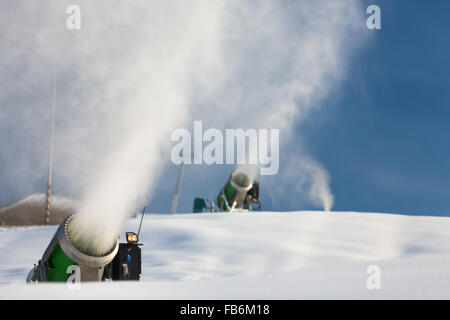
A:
[234,191]
[62,253]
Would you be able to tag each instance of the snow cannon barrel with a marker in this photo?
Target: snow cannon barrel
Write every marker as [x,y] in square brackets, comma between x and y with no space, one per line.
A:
[234,191]
[64,251]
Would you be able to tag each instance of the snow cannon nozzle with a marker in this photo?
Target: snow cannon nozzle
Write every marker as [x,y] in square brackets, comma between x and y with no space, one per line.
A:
[87,241]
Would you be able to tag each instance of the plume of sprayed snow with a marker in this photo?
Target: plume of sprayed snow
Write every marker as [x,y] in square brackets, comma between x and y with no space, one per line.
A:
[135,72]
[124,84]
[319,193]
[282,59]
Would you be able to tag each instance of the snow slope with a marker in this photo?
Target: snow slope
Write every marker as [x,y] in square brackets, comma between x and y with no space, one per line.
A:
[31,210]
[268,255]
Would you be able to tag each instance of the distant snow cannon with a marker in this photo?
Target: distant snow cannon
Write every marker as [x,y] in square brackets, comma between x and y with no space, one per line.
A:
[234,192]
[64,251]
[238,194]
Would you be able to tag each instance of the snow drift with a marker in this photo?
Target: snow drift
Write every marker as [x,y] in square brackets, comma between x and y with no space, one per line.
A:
[268,255]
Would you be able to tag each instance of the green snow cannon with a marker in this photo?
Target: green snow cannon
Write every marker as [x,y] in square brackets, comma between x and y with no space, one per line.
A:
[233,193]
[63,252]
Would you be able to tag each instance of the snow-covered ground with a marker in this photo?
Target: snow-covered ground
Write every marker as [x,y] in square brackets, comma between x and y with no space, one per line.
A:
[268,255]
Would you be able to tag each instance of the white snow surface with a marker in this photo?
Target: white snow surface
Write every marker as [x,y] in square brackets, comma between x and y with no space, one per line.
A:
[260,255]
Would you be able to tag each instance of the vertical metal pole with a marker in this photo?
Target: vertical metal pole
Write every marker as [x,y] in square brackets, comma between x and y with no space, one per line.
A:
[50,167]
[173,208]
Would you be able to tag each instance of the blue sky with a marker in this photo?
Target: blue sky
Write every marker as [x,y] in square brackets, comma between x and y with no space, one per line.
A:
[384,138]
[385,143]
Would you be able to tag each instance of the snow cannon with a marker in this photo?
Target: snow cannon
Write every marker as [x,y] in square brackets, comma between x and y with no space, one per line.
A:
[64,251]
[234,192]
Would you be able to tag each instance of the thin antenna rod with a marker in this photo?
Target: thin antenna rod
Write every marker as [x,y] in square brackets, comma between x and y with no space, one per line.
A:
[142,218]
[50,167]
